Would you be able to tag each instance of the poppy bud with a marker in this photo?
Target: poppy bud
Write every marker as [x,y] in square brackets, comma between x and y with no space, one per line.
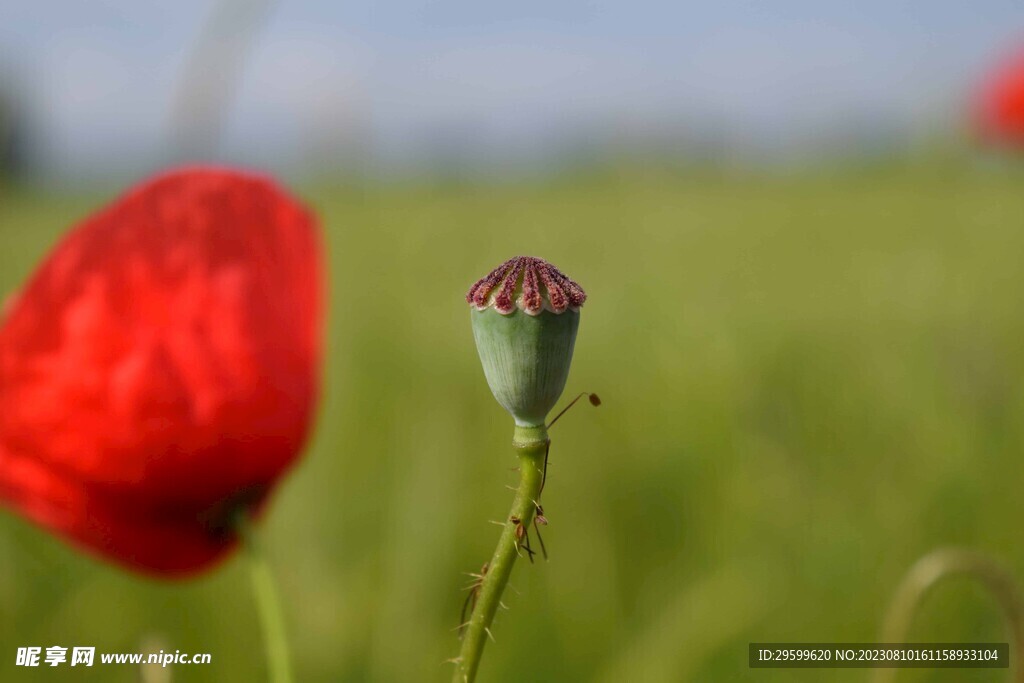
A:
[525,315]
[158,372]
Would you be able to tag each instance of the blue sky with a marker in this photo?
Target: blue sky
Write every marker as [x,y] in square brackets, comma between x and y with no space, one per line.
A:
[502,80]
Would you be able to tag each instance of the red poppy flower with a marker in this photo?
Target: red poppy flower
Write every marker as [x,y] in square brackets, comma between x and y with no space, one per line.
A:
[160,368]
[1000,107]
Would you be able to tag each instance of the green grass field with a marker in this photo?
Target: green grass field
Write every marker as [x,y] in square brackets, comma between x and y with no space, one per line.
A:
[809,381]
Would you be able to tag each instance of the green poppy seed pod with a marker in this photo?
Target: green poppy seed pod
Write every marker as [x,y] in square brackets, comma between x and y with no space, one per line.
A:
[525,315]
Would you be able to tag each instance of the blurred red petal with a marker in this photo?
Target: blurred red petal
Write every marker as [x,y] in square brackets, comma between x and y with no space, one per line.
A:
[161,364]
[1000,104]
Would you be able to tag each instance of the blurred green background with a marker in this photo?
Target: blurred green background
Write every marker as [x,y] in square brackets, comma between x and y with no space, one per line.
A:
[809,381]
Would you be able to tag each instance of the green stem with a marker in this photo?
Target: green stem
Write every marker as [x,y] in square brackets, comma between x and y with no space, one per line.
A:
[531,444]
[944,563]
[268,604]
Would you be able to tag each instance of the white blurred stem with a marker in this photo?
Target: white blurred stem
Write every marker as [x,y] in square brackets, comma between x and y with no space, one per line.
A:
[211,75]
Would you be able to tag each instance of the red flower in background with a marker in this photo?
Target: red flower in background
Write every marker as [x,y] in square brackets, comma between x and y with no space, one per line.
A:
[160,368]
[1000,107]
